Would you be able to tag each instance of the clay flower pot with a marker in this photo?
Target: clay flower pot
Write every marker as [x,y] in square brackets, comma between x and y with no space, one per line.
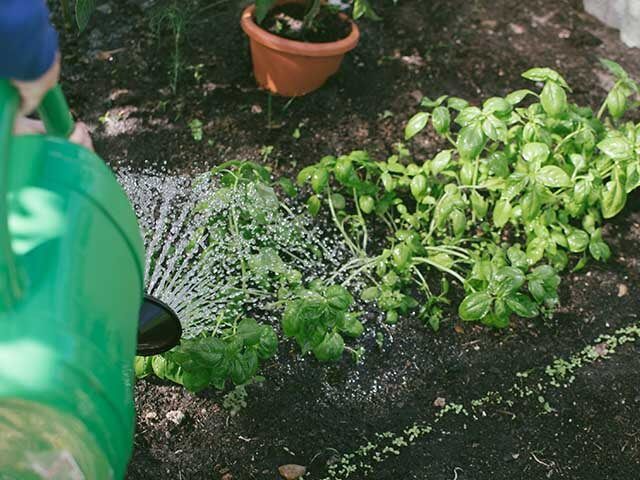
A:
[291,68]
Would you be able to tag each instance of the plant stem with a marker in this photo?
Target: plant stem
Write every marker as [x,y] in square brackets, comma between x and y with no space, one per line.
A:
[338,224]
[440,267]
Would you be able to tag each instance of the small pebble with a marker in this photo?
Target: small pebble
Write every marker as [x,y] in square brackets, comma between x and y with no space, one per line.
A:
[622,290]
[291,471]
[175,416]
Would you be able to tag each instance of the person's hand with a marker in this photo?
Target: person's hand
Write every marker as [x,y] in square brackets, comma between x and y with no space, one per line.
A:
[81,136]
[32,91]
[27,126]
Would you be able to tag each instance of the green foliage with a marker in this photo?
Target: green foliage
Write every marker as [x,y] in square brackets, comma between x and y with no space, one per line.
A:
[207,360]
[83,10]
[318,317]
[527,180]
[195,126]
[261,252]
[361,8]
[172,21]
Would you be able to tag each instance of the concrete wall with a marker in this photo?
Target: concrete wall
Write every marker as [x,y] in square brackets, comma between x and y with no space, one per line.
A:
[621,14]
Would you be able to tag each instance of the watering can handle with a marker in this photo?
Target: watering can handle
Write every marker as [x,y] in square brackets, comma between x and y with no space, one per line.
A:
[58,122]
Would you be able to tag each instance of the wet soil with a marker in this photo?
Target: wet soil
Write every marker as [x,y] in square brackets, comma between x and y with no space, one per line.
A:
[287,21]
[117,78]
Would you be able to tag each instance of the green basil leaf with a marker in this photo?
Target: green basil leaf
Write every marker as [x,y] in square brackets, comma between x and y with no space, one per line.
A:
[470,141]
[616,102]
[305,174]
[339,202]
[441,119]
[553,99]
[496,105]
[366,203]
[84,9]
[330,349]
[319,179]
[614,68]
[494,128]
[369,294]
[535,250]
[416,124]
[196,380]
[243,367]
[313,205]
[268,345]
[496,321]
[468,116]
[517,257]
[553,176]
[536,153]
[522,305]
[578,240]
[501,213]
[249,331]
[142,366]
[440,161]
[614,195]
[418,186]
[616,146]
[543,75]
[291,322]
[514,98]
[458,222]
[475,306]
[479,204]
[352,326]
[339,297]
[428,103]
[362,8]
[507,280]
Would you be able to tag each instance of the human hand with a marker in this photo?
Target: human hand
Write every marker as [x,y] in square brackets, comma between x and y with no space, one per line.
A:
[80,135]
[32,91]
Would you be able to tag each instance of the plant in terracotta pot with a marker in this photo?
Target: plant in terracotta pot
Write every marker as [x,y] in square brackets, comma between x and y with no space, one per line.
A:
[296,45]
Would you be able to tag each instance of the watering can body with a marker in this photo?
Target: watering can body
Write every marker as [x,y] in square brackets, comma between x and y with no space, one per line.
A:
[71,285]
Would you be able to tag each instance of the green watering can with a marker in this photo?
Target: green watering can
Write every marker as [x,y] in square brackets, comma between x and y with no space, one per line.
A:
[71,290]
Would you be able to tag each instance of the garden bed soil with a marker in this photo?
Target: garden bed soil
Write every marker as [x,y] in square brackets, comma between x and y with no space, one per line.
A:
[116,78]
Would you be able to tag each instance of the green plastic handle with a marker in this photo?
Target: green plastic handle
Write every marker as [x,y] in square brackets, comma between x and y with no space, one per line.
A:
[55,114]
[10,290]
[58,122]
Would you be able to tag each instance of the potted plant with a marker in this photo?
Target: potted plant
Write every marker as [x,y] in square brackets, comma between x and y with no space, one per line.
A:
[296,45]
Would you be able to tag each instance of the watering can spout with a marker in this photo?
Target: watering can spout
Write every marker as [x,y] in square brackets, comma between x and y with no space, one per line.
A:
[159,328]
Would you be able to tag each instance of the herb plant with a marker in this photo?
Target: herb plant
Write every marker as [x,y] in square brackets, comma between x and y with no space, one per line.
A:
[318,317]
[526,181]
[361,8]
[254,250]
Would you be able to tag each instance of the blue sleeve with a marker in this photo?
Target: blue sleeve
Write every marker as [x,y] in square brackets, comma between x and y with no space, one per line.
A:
[28,42]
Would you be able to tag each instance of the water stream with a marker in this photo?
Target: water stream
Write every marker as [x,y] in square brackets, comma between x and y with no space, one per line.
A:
[194,246]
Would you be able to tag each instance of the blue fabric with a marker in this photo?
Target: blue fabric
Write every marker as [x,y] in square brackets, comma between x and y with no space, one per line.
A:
[28,42]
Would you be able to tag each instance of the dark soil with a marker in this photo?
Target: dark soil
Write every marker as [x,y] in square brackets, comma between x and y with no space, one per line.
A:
[116,78]
[287,21]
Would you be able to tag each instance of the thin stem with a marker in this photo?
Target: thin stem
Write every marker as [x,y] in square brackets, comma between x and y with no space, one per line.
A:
[568,137]
[423,281]
[338,224]
[440,267]
[365,233]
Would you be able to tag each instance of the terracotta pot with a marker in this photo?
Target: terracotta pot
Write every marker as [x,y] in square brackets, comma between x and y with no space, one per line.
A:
[291,68]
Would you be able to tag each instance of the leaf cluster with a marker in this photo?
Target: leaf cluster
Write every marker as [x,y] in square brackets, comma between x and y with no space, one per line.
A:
[528,179]
[318,318]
